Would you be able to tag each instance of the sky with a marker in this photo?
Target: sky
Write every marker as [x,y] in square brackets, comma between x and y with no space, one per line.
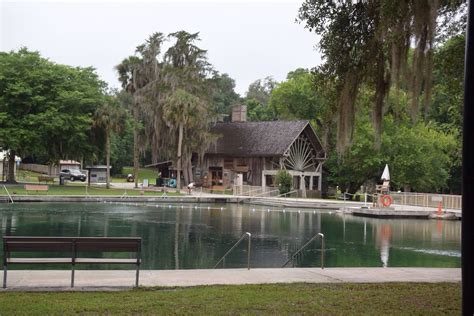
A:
[248,40]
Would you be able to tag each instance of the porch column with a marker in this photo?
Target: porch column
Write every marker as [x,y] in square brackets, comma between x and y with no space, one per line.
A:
[302,186]
[320,182]
[310,182]
[264,184]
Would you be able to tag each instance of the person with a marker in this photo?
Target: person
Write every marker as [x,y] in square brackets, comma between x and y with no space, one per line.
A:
[190,187]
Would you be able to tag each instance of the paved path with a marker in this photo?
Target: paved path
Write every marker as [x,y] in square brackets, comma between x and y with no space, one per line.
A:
[119,279]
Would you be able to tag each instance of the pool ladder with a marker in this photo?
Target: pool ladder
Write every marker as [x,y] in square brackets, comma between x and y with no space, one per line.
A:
[247,234]
[304,246]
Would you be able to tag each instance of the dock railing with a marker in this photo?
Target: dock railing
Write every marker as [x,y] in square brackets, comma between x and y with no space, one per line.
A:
[432,200]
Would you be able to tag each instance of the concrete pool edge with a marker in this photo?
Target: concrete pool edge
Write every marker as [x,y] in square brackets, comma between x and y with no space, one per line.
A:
[100,280]
[399,211]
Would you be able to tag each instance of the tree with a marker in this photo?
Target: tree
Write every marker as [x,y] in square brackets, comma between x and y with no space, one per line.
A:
[111,118]
[224,95]
[140,77]
[419,155]
[261,89]
[258,112]
[448,96]
[46,109]
[368,42]
[186,104]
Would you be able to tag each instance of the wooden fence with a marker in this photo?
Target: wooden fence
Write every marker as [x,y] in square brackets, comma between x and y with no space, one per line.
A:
[447,201]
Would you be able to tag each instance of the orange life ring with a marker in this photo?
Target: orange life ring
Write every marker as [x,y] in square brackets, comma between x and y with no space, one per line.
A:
[386,200]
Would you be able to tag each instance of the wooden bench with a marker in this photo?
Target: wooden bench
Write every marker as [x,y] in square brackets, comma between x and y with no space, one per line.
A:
[72,248]
[36,187]
[46,179]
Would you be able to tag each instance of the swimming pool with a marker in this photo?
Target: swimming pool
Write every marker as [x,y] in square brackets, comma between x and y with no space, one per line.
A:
[192,236]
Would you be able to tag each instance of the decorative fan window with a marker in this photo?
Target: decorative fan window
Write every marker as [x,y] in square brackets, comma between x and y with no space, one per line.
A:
[300,156]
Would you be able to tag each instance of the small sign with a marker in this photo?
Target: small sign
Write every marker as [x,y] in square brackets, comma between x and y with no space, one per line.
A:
[145,183]
[437,198]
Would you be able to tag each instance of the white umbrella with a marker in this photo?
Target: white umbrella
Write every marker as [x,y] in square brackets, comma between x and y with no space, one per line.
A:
[386,174]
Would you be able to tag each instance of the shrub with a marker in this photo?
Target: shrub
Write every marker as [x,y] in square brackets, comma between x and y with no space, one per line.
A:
[284,180]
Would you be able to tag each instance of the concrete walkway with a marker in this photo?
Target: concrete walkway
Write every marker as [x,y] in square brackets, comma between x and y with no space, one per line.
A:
[124,279]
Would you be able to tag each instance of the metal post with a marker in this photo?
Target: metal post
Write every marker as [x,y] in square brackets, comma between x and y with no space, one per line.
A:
[72,275]
[73,263]
[4,276]
[139,253]
[467,231]
[322,250]
[248,253]
[137,275]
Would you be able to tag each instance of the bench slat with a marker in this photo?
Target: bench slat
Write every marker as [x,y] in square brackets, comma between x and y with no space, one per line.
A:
[105,260]
[39,260]
[107,246]
[54,238]
[32,246]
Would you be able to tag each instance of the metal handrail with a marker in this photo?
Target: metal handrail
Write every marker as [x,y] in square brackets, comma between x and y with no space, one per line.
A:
[255,196]
[233,247]
[304,246]
[283,194]
[8,193]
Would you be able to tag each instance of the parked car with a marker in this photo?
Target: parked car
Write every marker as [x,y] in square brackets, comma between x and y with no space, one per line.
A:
[72,174]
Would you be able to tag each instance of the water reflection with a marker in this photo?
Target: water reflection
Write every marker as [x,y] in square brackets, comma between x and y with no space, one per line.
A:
[196,236]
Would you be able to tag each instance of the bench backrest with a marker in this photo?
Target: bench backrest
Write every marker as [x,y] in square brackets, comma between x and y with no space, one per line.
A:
[71,244]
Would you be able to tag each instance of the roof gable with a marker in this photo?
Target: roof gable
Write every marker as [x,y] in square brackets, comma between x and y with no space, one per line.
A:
[272,138]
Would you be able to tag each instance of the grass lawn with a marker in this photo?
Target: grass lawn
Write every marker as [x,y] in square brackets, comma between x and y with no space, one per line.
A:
[314,299]
[27,176]
[79,189]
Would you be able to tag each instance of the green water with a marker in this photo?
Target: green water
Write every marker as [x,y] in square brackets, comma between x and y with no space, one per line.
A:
[192,236]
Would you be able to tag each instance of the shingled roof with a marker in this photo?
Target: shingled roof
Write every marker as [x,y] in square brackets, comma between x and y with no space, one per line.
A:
[271,138]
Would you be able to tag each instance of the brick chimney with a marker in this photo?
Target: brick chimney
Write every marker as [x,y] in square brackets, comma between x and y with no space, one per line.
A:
[239,113]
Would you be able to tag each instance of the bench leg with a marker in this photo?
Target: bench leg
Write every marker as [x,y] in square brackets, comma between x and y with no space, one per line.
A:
[4,277]
[137,276]
[72,276]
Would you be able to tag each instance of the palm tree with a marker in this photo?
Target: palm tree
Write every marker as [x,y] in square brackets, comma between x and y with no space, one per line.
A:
[185,107]
[182,112]
[140,76]
[111,118]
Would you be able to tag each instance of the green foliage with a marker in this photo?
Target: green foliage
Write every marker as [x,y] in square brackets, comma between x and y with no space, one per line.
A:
[261,89]
[296,97]
[223,94]
[46,109]
[284,181]
[122,148]
[419,156]
[368,43]
[256,111]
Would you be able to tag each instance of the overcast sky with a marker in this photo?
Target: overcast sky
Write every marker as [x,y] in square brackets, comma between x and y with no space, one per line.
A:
[248,40]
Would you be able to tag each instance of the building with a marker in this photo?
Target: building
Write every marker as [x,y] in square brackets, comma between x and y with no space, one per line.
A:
[97,174]
[251,153]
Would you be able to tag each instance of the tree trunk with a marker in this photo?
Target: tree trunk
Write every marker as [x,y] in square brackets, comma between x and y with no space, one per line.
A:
[186,172]
[190,171]
[11,167]
[135,144]
[107,159]
[180,143]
